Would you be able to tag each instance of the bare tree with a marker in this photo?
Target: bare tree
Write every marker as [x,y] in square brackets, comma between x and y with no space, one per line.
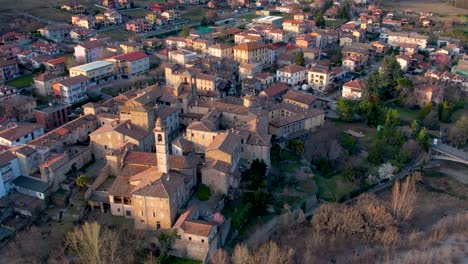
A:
[220,257]
[241,255]
[404,198]
[95,244]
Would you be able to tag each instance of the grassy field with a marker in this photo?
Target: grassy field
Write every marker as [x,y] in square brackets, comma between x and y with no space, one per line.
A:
[334,23]
[437,6]
[117,34]
[21,82]
[248,16]
[334,188]
[407,115]
[135,13]
[195,13]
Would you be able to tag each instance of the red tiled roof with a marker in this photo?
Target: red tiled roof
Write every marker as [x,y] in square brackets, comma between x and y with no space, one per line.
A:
[276,89]
[131,56]
[57,61]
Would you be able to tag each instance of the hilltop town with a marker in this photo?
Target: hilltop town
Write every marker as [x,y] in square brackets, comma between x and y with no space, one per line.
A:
[234,131]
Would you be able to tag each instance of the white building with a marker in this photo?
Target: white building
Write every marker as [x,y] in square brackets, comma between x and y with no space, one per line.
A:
[320,78]
[181,56]
[9,170]
[396,38]
[292,74]
[20,134]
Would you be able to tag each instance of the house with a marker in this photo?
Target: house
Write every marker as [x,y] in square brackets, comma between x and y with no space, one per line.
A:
[301,99]
[73,7]
[28,159]
[43,83]
[251,52]
[266,79]
[352,63]
[9,51]
[409,48]
[320,78]
[404,61]
[8,70]
[15,37]
[55,66]
[83,21]
[138,26]
[20,134]
[379,47]
[95,71]
[110,137]
[222,158]
[221,51]
[18,107]
[9,171]
[294,121]
[293,27]
[54,115]
[89,51]
[45,48]
[275,92]
[292,74]
[132,63]
[130,46]
[24,57]
[72,90]
[181,56]
[32,187]
[175,42]
[428,93]
[196,238]
[352,90]
[55,33]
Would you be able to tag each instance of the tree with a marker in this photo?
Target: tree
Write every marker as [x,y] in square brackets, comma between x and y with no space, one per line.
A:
[404,198]
[296,145]
[269,252]
[415,127]
[370,112]
[346,110]
[211,16]
[431,121]
[425,111]
[256,174]
[423,138]
[458,134]
[403,83]
[82,181]
[185,32]
[220,257]
[343,13]
[319,20]
[204,22]
[299,59]
[381,86]
[95,244]
[445,111]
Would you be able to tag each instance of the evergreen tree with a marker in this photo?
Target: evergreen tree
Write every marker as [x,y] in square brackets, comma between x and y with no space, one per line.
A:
[345,110]
[423,138]
[204,22]
[319,20]
[445,111]
[299,59]
[185,32]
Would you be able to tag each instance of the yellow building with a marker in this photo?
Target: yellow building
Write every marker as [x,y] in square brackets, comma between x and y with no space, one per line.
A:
[221,51]
[251,52]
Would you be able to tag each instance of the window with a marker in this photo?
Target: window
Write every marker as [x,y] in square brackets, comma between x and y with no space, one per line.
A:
[118,210]
[128,213]
[190,238]
[142,214]
[154,214]
[203,240]
[159,138]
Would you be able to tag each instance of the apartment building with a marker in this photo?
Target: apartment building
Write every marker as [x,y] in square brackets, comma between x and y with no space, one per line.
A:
[89,51]
[83,21]
[44,81]
[20,134]
[221,51]
[397,38]
[251,52]
[320,78]
[132,63]
[8,70]
[54,115]
[9,171]
[94,70]
[72,90]
[301,99]
[292,74]
[293,27]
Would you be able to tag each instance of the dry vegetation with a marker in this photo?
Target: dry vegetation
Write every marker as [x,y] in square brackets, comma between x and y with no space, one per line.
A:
[437,6]
[406,225]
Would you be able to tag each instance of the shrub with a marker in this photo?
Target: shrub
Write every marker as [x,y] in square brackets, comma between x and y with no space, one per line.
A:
[203,193]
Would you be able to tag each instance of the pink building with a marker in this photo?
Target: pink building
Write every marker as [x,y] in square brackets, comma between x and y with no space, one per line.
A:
[89,51]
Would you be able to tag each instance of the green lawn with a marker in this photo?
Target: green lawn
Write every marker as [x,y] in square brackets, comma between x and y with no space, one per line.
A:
[118,34]
[248,16]
[176,260]
[334,23]
[135,13]
[407,115]
[21,82]
[334,188]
